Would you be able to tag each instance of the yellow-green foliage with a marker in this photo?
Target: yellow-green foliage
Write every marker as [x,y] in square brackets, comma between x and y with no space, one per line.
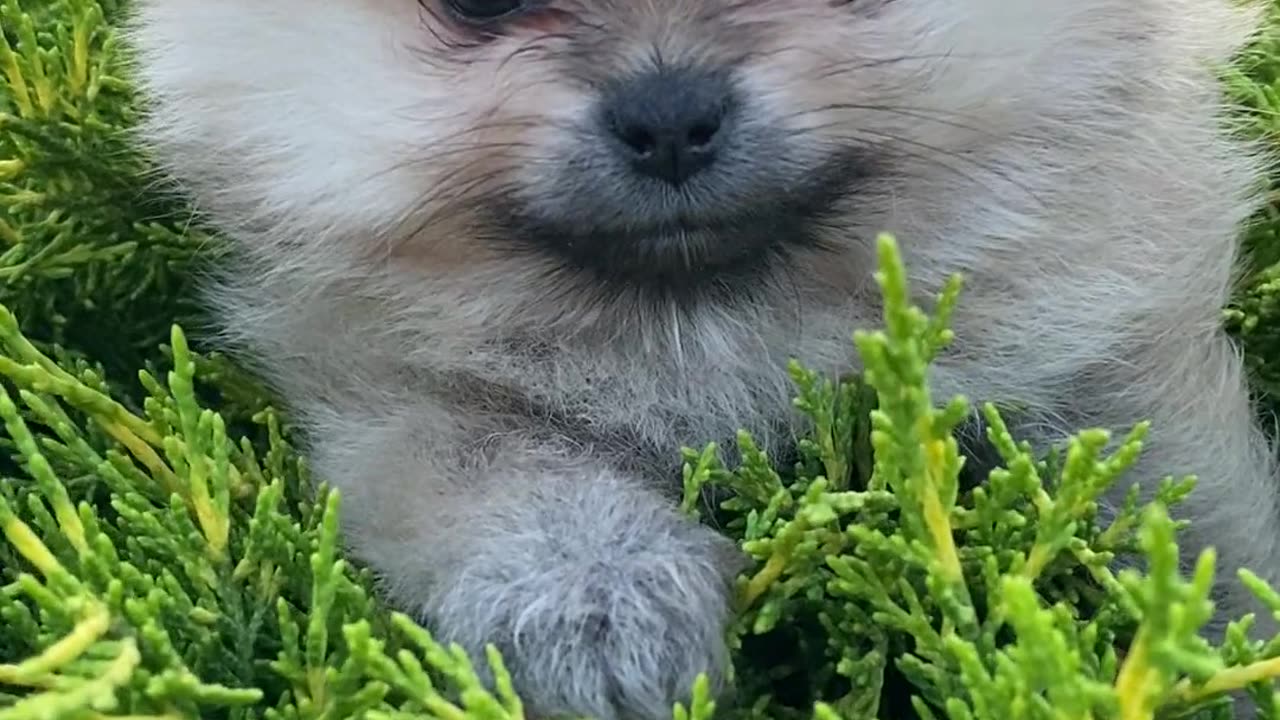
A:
[165,552]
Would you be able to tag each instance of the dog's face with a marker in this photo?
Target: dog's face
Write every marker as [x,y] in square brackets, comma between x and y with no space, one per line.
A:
[641,142]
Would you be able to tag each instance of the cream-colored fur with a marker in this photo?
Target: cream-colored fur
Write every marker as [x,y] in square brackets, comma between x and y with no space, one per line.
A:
[503,423]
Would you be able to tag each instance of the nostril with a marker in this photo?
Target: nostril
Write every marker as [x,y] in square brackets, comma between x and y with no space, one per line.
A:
[636,137]
[702,133]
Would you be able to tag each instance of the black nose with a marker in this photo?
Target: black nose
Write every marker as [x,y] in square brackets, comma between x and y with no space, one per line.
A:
[669,124]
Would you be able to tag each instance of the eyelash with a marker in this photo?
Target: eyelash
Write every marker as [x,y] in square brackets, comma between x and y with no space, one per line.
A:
[488,29]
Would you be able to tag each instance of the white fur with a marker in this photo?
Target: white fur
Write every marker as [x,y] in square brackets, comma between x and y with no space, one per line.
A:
[1068,156]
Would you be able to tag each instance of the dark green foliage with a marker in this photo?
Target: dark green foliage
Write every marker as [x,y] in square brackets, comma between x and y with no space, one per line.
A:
[1254,85]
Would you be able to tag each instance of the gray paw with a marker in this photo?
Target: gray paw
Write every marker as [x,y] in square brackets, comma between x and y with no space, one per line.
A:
[608,607]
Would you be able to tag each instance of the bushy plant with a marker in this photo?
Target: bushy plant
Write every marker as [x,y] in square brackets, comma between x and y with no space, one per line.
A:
[166,553]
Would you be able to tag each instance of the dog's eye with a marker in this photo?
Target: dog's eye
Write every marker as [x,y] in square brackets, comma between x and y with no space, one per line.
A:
[483,10]
[862,6]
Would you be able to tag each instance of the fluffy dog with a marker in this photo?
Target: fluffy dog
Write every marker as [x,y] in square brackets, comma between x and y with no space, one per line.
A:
[505,257]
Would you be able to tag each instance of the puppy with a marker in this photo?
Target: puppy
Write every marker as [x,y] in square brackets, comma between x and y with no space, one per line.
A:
[504,257]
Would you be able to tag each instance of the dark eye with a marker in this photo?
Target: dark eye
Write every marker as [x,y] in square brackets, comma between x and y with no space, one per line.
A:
[483,10]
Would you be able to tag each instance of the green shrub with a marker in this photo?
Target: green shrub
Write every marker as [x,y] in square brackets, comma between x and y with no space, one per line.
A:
[166,553]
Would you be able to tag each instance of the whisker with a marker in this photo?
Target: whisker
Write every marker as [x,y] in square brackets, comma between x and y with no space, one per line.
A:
[927,114]
[993,169]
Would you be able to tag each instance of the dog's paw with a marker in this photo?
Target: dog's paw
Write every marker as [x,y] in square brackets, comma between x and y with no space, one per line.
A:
[608,607]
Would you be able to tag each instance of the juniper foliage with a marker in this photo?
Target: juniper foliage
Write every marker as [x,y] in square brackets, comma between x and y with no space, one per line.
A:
[166,553]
